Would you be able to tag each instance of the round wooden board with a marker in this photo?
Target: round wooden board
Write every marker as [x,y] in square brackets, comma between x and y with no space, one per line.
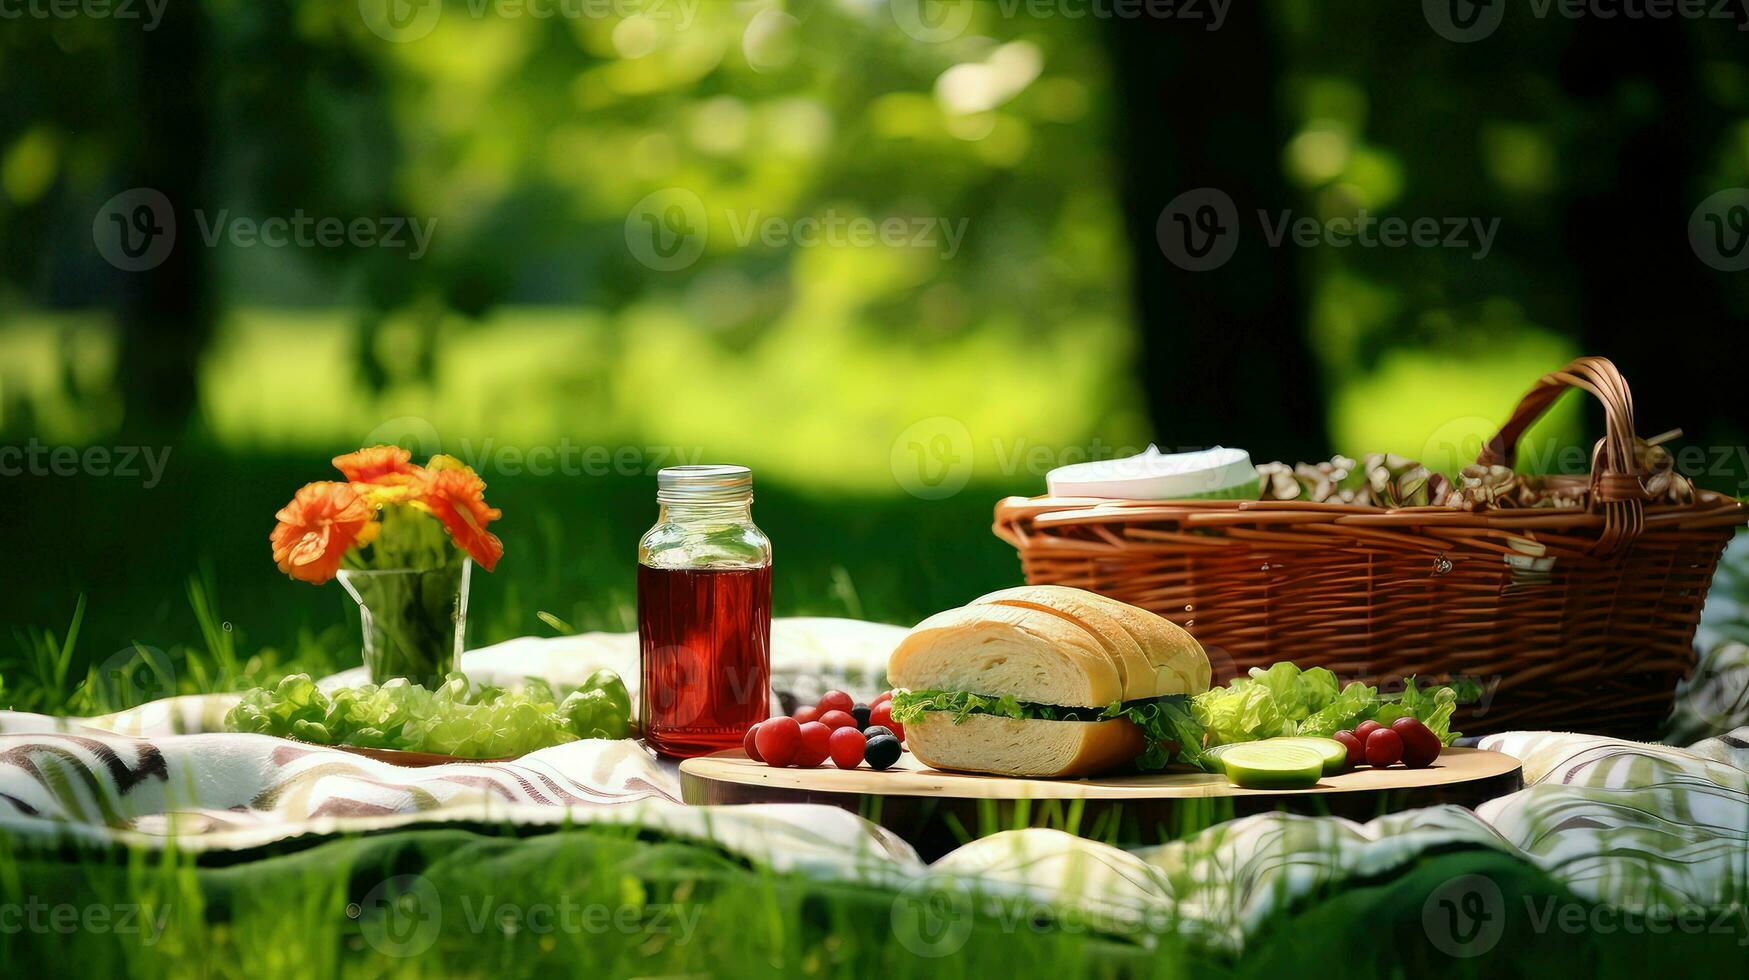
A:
[935,809]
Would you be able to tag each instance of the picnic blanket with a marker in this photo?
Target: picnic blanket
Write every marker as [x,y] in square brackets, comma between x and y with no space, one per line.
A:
[1640,827]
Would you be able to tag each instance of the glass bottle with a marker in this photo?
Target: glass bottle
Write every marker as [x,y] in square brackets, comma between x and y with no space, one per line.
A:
[704,613]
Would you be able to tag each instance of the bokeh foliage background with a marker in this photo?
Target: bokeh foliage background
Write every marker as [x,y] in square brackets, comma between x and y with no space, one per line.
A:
[1055,330]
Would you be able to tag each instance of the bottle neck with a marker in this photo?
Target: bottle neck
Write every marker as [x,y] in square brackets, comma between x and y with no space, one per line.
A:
[716,512]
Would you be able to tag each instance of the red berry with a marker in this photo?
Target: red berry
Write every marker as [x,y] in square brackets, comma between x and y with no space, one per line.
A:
[749,743]
[836,701]
[847,744]
[816,745]
[838,719]
[778,740]
[882,714]
[1356,751]
[1420,745]
[1365,728]
[1383,748]
[805,714]
[883,699]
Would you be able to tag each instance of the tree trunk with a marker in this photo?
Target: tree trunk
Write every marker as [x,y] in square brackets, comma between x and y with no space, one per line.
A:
[1224,357]
[1647,301]
[166,312]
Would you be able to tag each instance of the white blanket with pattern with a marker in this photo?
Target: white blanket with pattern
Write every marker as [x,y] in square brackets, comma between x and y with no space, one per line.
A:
[1627,824]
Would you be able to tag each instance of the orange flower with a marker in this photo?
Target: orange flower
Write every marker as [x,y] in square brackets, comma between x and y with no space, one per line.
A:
[318,527]
[457,496]
[375,464]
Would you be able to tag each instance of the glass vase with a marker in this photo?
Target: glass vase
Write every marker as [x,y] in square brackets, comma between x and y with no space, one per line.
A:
[413,620]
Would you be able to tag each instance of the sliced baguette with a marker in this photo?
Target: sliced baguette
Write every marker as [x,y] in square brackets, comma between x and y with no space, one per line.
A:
[1033,655]
[1173,661]
[1135,670]
[1016,747]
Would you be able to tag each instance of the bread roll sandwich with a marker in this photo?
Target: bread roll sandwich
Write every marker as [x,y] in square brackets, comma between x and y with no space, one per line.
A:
[1048,681]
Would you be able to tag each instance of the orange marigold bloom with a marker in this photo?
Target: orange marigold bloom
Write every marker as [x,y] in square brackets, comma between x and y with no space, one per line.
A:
[457,497]
[317,528]
[375,464]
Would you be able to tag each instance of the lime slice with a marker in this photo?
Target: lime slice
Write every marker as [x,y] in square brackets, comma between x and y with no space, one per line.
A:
[1269,765]
[1335,753]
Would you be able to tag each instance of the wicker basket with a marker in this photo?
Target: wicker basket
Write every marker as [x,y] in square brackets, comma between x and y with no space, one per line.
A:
[1572,619]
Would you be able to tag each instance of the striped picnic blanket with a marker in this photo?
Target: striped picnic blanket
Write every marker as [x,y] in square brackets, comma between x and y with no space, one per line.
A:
[1635,826]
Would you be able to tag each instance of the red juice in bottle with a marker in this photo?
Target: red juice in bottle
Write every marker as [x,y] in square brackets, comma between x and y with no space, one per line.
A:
[704,613]
[705,640]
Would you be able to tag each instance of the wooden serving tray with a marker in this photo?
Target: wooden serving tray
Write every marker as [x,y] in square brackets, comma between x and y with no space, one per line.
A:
[402,757]
[938,810]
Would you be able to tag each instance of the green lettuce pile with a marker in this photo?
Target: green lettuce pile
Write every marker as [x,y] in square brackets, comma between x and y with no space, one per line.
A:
[455,719]
[1285,700]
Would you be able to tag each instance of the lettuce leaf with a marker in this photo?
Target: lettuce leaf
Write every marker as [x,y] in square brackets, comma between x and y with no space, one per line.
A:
[1169,723]
[1284,700]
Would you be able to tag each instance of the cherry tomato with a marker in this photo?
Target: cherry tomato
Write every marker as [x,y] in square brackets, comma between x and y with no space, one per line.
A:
[847,745]
[1356,751]
[885,696]
[816,745]
[1420,745]
[1365,728]
[882,715]
[778,741]
[836,701]
[836,719]
[1383,748]
[805,714]
[749,743]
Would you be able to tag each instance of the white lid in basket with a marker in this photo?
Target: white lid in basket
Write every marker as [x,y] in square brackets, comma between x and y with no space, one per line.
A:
[1154,475]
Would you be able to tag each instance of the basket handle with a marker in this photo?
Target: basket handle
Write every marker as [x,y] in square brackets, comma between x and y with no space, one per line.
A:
[1615,479]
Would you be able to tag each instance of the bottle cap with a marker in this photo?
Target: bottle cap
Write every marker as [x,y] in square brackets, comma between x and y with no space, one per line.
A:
[712,484]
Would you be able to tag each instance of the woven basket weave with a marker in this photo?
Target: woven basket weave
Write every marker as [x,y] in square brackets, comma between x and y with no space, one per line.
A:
[1572,619]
